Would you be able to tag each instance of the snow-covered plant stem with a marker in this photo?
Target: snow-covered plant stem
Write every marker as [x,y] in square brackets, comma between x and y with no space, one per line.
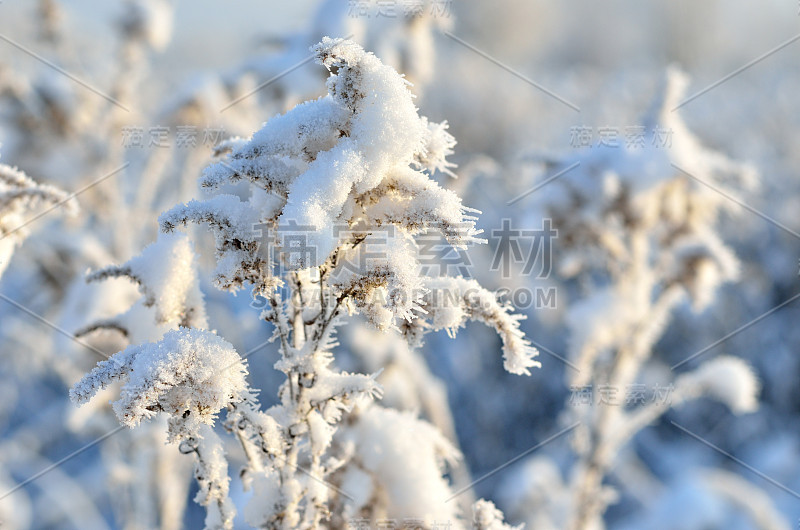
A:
[347,177]
[600,431]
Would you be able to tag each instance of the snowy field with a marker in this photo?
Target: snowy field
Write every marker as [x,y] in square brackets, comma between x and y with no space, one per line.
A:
[425,264]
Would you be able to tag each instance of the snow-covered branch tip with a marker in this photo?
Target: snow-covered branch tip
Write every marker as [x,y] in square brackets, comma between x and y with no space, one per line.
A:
[191,374]
[450,302]
[17,189]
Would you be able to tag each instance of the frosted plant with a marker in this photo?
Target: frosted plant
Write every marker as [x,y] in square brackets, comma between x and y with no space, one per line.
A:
[637,227]
[20,196]
[338,188]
